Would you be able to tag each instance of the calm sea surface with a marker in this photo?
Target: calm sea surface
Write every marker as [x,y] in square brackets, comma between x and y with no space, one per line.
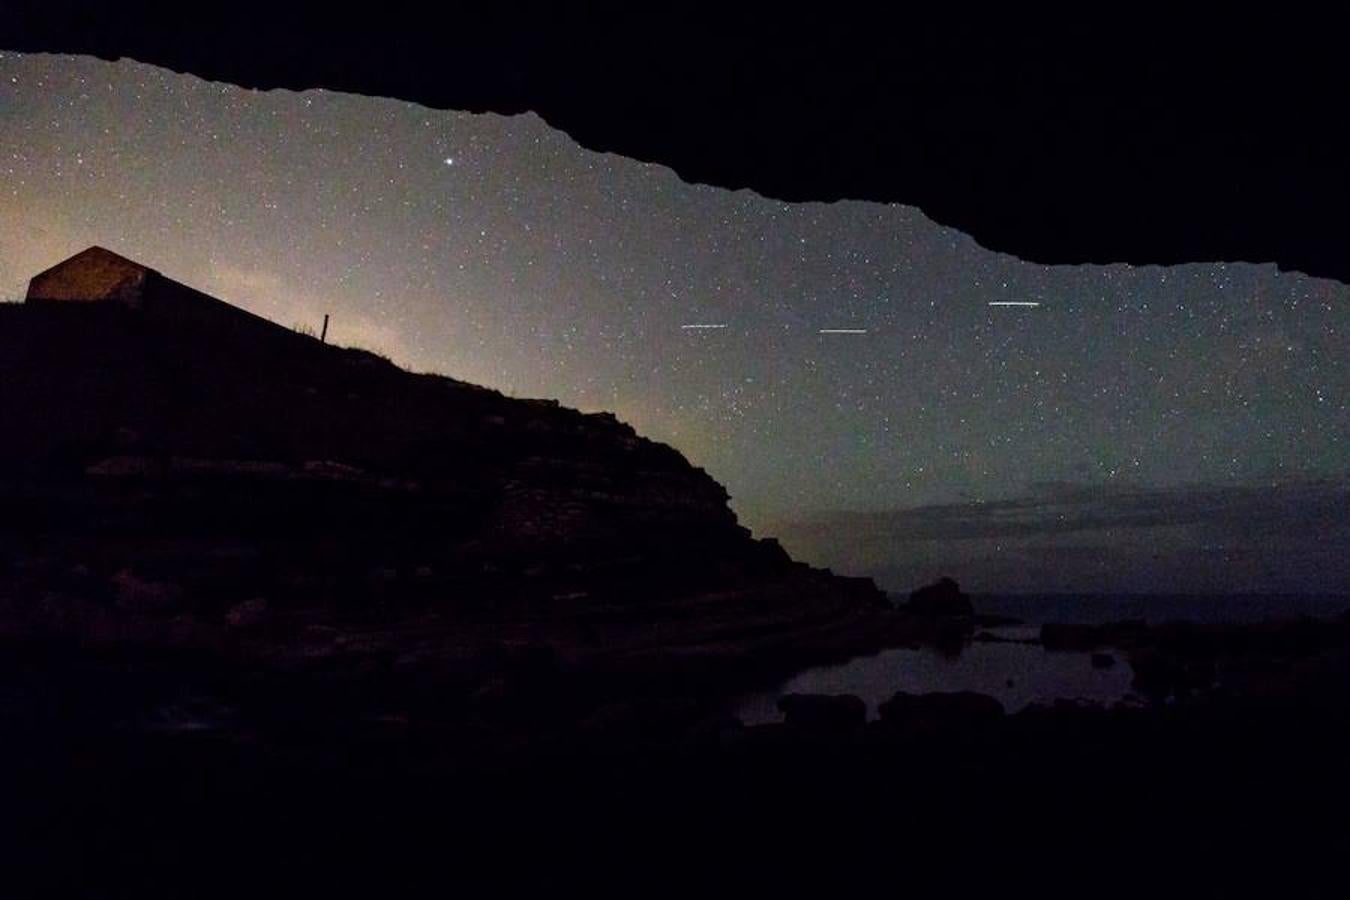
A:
[1014,674]
[1213,608]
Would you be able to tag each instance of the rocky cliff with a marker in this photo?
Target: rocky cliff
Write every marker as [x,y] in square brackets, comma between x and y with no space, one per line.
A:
[170,484]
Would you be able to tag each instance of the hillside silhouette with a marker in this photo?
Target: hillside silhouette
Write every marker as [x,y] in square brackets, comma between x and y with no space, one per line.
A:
[172,478]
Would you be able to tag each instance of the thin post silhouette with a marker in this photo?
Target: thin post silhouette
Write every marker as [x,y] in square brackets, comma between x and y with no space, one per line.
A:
[323,337]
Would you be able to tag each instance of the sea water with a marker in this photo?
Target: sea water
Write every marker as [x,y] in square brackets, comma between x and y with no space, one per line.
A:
[1019,672]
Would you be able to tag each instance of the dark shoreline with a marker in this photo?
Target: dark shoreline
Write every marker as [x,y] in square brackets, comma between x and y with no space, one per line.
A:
[1245,789]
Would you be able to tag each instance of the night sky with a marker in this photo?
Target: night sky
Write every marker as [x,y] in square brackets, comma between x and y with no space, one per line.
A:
[1193,413]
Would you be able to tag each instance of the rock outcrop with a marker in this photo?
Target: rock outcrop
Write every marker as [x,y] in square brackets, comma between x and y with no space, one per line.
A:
[823,713]
[257,487]
[941,598]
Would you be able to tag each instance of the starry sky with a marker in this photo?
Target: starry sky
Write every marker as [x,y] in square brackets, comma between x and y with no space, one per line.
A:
[496,250]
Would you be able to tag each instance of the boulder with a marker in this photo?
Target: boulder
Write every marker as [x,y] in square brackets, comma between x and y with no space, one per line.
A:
[949,633]
[941,598]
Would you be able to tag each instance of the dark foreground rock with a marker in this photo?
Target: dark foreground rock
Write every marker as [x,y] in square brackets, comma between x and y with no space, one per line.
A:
[1075,637]
[163,777]
[923,713]
[823,713]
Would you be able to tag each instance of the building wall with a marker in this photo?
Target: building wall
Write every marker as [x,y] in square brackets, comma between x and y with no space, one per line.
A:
[91,277]
[98,276]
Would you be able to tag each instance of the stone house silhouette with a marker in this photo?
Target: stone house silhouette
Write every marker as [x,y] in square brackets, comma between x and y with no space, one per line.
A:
[98,276]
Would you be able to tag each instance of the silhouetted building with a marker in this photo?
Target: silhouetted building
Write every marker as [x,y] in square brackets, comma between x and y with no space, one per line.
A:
[99,276]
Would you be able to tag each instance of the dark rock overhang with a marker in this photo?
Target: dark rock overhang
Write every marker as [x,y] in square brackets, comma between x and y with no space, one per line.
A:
[1142,140]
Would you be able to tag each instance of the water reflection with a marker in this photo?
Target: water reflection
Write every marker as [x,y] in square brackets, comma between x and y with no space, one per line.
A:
[1015,674]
